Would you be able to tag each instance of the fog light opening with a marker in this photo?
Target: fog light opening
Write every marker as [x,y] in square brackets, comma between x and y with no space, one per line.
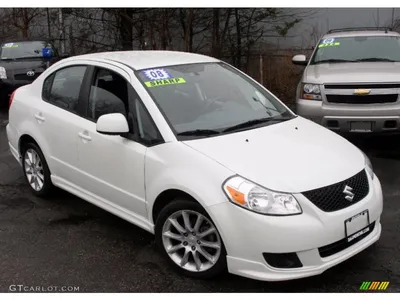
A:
[283,260]
[332,124]
[390,124]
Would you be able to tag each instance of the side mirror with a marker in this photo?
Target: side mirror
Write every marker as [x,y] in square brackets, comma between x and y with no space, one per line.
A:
[112,124]
[300,60]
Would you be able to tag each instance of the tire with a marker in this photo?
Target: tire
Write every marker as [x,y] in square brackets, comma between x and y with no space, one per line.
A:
[192,245]
[31,154]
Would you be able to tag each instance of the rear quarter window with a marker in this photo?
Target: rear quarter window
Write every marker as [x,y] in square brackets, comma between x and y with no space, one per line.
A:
[47,87]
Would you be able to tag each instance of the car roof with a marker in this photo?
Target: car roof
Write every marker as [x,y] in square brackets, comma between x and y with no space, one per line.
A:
[360,33]
[144,59]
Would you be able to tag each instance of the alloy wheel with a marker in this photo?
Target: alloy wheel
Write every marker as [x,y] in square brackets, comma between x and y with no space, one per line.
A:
[191,240]
[34,169]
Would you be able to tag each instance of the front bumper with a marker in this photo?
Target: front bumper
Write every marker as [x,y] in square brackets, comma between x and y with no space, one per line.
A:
[248,235]
[383,117]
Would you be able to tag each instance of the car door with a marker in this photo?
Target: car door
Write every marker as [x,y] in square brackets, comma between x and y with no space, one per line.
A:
[112,166]
[58,118]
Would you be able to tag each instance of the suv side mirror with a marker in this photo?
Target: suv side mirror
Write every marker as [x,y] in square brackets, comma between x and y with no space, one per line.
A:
[112,124]
[300,60]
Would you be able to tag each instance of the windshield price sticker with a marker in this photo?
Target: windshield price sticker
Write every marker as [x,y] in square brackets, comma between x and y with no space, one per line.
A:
[323,45]
[156,74]
[10,45]
[162,82]
[328,41]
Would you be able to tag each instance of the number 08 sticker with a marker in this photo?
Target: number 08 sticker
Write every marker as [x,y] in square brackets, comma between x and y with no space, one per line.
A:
[156,74]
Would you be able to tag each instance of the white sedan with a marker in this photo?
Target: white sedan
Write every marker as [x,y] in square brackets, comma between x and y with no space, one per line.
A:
[201,155]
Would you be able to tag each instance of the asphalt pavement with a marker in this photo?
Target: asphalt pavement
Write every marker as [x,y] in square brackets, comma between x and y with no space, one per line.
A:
[65,241]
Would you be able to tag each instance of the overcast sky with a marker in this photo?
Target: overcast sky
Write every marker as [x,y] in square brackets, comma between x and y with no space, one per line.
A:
[331,18]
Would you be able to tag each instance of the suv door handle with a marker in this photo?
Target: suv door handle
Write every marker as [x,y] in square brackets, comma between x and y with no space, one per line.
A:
[40,117]
[85,136]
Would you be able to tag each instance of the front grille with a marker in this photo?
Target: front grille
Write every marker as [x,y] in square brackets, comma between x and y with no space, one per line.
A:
[343,244]
[26,77]
[331,198]
[363,86]
[355,99]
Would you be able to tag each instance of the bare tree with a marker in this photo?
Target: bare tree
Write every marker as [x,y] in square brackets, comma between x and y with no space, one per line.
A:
[22,18]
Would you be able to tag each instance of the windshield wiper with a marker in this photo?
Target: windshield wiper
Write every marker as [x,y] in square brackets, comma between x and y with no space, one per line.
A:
[199,132]
[28,57]
[372,59]
[21,58]
[255,122]
[327,61]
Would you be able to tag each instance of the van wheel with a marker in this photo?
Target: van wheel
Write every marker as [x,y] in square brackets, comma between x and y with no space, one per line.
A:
[189,240]
[36,170]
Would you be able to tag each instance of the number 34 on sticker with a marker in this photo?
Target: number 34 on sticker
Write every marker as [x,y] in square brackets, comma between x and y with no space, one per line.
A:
[156,74]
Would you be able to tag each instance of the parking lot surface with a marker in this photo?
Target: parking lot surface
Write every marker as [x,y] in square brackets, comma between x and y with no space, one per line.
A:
[65,241]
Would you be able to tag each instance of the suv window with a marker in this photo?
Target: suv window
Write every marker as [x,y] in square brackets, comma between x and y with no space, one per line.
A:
[357,48]
[63,87]
[108,94]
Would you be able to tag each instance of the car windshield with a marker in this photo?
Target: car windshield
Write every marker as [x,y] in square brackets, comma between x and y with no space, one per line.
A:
[26,49]
[357,48]
[210,98]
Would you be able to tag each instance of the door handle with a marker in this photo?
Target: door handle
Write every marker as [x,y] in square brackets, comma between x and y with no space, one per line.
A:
[85,136]
[40,117]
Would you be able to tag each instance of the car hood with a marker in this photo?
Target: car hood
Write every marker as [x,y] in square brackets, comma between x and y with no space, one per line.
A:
[26,64]
[292,156]
[362,72]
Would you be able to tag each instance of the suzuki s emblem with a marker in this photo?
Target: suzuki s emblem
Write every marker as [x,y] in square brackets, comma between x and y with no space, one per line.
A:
[361,92]
[348,192]
[30,73]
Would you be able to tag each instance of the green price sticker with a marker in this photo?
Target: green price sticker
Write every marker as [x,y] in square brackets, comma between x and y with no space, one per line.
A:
[161,82]
[329,45]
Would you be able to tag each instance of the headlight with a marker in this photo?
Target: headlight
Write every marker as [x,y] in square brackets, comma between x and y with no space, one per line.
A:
[260,200]
[310,91]
[3,73]
[368,165]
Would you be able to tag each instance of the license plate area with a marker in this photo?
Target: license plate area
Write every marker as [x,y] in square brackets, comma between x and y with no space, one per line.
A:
[361,126]
[357,225]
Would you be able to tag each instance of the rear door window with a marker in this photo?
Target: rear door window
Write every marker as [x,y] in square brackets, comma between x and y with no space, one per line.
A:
[63,87]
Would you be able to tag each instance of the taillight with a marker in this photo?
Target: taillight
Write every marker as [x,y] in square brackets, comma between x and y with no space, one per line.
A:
[11,99]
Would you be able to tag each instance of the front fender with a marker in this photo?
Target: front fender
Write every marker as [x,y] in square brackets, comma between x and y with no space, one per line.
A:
[177,166]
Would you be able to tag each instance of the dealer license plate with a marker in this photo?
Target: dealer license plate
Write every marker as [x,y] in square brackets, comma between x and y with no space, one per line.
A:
[361,126]
[357,225]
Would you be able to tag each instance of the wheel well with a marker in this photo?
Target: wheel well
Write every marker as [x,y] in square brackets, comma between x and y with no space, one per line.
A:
[25,139]
[167,197]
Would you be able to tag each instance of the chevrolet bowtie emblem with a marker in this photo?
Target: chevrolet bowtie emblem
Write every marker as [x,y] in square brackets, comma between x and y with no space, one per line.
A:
[361,92]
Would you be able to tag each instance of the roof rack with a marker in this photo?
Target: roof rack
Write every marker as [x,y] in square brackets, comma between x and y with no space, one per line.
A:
[386,29]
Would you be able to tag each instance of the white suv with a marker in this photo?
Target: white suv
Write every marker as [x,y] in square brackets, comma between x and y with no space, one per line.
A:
[199,154]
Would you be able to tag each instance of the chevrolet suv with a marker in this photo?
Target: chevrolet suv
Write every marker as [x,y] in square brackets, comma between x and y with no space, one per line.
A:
[351,83]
